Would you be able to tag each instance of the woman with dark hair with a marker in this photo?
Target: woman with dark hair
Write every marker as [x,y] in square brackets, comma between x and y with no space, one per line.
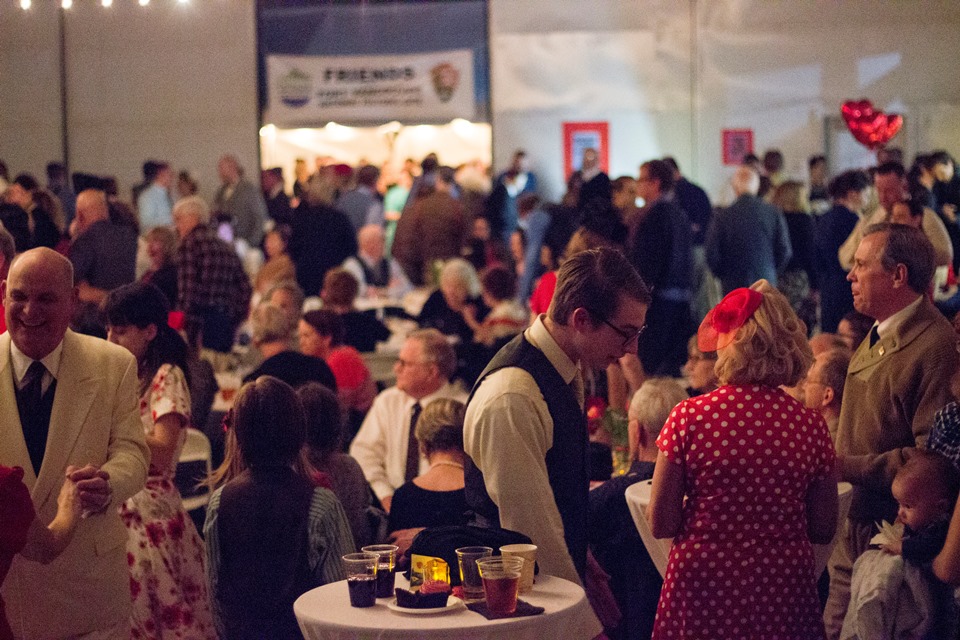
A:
[165,552]
[321,335]
[853,328]
[921,178]
[271,534]
[324,415]
[278,267]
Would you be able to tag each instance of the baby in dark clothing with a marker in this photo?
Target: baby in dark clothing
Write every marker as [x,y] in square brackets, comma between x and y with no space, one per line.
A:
[926,488]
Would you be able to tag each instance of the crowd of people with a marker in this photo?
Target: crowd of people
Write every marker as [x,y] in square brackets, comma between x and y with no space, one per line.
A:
[760,352]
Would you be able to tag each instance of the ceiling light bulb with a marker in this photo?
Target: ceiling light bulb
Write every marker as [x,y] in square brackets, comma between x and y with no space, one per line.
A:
[144,3]
[24,4]
[66,4]
[106,3]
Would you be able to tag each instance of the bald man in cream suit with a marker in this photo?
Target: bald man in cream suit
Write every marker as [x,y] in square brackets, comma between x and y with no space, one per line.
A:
[78,410]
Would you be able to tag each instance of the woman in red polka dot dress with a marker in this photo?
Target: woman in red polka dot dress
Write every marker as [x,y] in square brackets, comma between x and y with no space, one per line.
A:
[757,470]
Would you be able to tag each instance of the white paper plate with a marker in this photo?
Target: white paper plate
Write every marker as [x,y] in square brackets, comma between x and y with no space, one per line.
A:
[453,603]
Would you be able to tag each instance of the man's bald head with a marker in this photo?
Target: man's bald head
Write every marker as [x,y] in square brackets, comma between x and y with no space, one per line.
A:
[91,207]
[371,240]
[39,300]
[52,264]
[745,181]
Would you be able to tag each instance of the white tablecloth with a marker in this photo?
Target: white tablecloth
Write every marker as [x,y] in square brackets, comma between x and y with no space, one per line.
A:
[638,497]
[325,614]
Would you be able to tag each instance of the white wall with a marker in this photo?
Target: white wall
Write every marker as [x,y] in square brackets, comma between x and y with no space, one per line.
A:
[178,82]
[670,75]
[29,88]
[167,81]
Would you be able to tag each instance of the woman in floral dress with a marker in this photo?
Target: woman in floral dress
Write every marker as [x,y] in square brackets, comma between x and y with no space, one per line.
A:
[757,470]
[164,550]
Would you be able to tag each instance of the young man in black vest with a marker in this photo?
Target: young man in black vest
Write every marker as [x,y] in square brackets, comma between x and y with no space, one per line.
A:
[525,429]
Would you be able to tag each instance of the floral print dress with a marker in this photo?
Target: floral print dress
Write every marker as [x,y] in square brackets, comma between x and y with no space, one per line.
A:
[164,551]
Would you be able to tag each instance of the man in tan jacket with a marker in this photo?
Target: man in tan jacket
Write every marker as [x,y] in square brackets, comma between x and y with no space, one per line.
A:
[898,378]
[68,400]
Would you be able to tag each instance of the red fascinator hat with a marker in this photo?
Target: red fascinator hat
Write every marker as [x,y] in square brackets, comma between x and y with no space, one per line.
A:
[720,326]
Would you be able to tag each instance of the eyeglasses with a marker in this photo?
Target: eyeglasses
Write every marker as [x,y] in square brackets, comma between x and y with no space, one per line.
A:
[628,336]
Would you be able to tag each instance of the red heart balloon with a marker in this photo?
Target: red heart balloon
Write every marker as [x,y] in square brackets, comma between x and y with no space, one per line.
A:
[870,127]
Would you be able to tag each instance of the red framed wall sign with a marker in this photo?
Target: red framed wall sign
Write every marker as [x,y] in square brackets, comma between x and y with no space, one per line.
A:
[578,136]
[736,144]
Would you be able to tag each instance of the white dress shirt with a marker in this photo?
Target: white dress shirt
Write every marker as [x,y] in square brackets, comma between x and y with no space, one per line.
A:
[507,433]
[891,324]
[22,362]
[398,286]
[381,444]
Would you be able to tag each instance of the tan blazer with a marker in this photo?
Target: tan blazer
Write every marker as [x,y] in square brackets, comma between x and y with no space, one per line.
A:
[95,419]
[890,396]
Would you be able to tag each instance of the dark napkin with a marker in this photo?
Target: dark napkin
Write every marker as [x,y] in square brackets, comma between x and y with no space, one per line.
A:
[523,609]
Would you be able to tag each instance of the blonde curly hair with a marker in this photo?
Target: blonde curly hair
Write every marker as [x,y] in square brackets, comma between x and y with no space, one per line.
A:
[770,348]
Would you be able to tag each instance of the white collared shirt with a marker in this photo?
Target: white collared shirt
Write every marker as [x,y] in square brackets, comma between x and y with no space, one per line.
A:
[22,362]
[891,324]
[507,433]
[380,447]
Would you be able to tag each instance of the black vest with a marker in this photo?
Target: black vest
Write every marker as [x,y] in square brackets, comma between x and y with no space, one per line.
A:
[567,460]
[378,276]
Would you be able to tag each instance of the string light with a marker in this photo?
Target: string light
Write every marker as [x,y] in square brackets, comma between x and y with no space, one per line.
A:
[26,5]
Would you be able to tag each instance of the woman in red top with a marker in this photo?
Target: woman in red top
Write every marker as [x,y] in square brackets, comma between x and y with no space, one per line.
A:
[321,335]
[757,470]
[21,532]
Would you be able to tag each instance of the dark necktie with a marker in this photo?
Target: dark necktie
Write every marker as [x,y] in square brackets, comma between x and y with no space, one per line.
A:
[874,336]
[30,408]
[413,450]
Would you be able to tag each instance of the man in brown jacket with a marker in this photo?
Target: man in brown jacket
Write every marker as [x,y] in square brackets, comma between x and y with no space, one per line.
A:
[898,378]
[435,228]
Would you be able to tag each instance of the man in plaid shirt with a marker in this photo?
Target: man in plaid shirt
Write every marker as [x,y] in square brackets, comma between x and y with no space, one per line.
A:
[213,290]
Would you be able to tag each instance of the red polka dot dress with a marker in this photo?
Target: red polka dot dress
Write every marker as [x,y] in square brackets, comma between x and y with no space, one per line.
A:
[742,565]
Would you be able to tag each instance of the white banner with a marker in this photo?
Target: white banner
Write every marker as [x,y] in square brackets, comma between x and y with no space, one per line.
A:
[415,88]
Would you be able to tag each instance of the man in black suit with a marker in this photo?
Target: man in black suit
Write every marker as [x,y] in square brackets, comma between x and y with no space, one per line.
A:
[278,202]
[659,249]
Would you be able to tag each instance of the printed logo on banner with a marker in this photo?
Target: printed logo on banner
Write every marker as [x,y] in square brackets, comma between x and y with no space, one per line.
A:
[445,80]
[295,88]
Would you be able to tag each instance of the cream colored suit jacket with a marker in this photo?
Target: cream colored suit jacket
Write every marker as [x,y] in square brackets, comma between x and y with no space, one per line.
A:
[95,420]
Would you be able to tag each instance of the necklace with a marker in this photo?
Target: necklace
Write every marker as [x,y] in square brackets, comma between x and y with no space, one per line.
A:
[446,463]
